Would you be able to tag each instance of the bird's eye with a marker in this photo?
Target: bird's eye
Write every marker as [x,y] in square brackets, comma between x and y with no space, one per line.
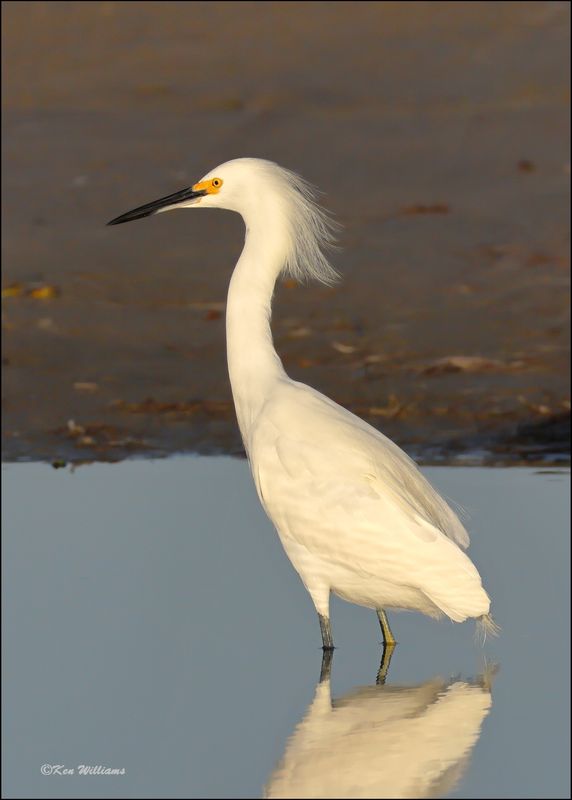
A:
[216,183]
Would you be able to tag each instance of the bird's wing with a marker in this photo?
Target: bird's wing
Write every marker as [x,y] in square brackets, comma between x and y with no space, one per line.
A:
[307,433]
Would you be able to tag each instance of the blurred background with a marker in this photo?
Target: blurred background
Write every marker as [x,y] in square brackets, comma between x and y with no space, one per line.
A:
[439,135]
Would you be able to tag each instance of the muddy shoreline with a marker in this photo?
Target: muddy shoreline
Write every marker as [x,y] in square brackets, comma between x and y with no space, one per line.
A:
[441,143]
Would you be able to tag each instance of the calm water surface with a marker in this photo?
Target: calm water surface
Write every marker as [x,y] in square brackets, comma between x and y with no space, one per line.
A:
[153,624]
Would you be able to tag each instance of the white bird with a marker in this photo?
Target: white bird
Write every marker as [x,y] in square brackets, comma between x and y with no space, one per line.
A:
[384,741]
[355,515]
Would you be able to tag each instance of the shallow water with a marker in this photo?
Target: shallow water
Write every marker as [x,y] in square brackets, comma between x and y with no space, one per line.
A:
[153,624]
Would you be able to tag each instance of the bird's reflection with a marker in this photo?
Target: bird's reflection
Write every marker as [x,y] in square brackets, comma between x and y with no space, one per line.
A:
[383,740]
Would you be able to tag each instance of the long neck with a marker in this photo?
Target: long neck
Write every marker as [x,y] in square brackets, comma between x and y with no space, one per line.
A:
[253,364]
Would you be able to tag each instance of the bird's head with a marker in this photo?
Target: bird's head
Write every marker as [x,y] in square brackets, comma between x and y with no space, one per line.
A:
[219,188]
[268,197]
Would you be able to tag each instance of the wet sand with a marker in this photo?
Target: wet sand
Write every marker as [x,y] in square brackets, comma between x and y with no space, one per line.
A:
[439,134]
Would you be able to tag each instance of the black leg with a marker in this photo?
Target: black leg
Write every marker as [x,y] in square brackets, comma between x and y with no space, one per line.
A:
[327,658]
[327,641]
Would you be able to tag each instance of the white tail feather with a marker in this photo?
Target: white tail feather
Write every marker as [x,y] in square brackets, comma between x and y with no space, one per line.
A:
[486,626]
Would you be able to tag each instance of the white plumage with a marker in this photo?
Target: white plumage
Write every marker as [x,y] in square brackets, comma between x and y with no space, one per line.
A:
[383,741]
[354,513]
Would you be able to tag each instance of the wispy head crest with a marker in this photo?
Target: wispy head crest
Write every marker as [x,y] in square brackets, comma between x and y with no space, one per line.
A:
[313,235]
[312,229]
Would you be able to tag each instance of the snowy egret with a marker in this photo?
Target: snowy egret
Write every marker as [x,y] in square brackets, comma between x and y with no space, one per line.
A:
[354,514]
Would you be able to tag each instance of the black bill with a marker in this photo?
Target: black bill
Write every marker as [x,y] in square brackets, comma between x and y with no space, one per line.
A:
[157,205]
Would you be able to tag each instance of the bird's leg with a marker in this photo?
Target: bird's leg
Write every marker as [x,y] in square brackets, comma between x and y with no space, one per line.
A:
[325,627]
[326,669]
[385,662]
[388,638]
